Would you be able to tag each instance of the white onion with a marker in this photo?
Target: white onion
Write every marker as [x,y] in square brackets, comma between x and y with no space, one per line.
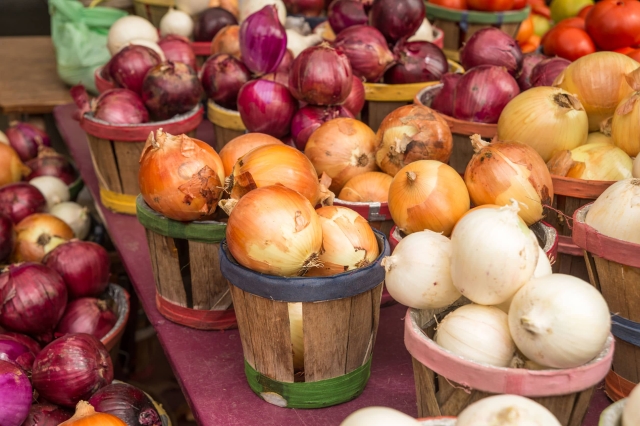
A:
[3,138]
[559,321]
[74,215]
[297,42]
[418,273]
[635,170]
[146,43]
[55,191]
[424,33]
[379,416]
[616,212]
[192,7]
[478,333]
[631,411]
[247,7]
[493,254]
[176,22]
[130,28]
[506,410]
[297,338]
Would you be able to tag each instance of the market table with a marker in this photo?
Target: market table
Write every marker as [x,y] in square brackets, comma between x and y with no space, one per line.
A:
[209,364]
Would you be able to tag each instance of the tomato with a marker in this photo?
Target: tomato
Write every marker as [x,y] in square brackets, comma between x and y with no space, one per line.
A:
[490,5]
[540,24]
[525,31]
[568,42]
[562,9]
[519,4]
[625,50]
[614,24]
[540,7]
[530,45]
[635,55]
[569,22]
[585,10]
[451,4]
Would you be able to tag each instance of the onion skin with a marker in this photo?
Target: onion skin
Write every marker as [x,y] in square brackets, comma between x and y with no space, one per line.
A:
[170,89]
[37,235]
[397,19]
[19,200]
[367,51]
[418,61]
[545,72]
[227,41]
[615,213]
[343,14]
[15,394]
[27,341]
[355,101]
[7,237]
[27,139]
[529,62]
[237,147]
[594,161]
[130,65]
[210,21]
[304,7]
[177,48]
[11,168]
[46,415]
[120,106]
[16,352]
[127,403]
[369,187]
[266,107]
[71,369]
[222,78]
[443,101]
[309,118]
[625,123]
[263,40]
[492,46]
[50,163]
[87,315]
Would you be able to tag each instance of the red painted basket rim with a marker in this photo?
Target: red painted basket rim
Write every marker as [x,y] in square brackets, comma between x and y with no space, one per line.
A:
[579,188]
[121,295]
[373,212]
[201,48]
[197,318]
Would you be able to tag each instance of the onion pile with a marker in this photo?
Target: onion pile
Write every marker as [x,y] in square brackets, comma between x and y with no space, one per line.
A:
[397,19]
[170,89]
[418,61]
[368,187]
[263,41]
[176,22]
[367,51]
[529,62]
[27,139]
[616,212]
[177,48]
[624,122]
[55,191]
[11,168]
[545,72]
[74,215]
[14,351]
[266,107]
[19,200]
[87,315]
[50,163]
[492,46]
[127,403]
[444,100]
[343,14]
[237,147]
[86,415]
[355,101]
[222,78]
[309,118]
[7,237]
[592,161]
[130,65]
[210,21]
[129,28]
[227,41]
[379,415]
[15,394]
[115,106]
[46,415]
[37,235]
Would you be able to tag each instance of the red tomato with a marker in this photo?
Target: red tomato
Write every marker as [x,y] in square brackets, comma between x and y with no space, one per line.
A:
[569,43]
[584,12]
[540,7]
[490,5]
[635,55]
[451,4]
[625,50]
[574,22]
[519,4]
[614,24]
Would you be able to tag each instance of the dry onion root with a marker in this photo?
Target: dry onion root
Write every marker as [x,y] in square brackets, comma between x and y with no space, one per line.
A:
[592,161]
[369,187]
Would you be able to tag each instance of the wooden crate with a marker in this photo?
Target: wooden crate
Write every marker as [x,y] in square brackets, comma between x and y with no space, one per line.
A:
[227,124]
[152,10]
[115,152]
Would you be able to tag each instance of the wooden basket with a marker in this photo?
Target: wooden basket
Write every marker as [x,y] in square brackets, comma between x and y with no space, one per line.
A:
[112,339]
[340,320]
[152,10]
[102,84]
[447,383]
[382,99]
[116,149]
[185,257]
[614,269]
[612,415]
[227,124]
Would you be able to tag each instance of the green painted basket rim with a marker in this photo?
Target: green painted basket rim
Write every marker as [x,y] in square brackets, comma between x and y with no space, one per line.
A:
[208,231]
[475,17]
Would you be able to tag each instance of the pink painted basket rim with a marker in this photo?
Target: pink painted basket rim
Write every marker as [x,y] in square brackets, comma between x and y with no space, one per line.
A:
[499,380]
[364,209]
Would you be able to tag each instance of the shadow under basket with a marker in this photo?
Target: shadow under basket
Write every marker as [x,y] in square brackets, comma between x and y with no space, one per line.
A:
[190,290]
[116,149]
[227,124]
[340,317]
[614,269]
[152,10]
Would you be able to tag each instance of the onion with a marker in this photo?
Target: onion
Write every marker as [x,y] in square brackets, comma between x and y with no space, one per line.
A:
[266,107]
[444,100]
[227,41]
[355,101]
[343,14]
[263,41]
[501,171]
[34,298]
[176,22]
[55,191]
[72,368]
[3,138]
[130,28]
[16,352]
[74,215]
[368,187]
[501,408]
[50,163]
[616,212]
[177,48]
[87,315]
[86,415]
[210,21]
[170,89]
[27,139]
[115,106]
[83,265]
[411,133]
[34,347]
[418,273]
[424,33]
[309,118]
[180,177]
[311,8]
[545,73]
[127,403]
[367,51]
[130,65]
[11,168]
[46,415]
[321,75]
[599,137]
[546,118]
[397,19]
[342,148]
[492,46]
[427,194]
[297,42]
[477,333]
[7,237]
[559,321]
[237,147]
[15,394]
[37,235]
[624,122]
[148,44]
[418,61]
[529,62]
[598,80]
[636,167]
[192,7]
[379,416]
[482,93]
[592,161]
[631,411]
[19,200]
[222,78]
[283,218]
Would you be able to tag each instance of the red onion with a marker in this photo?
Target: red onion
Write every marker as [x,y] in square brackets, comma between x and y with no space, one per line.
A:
[355,101]
[14,351]
[15,394]
[129,66]
[443,101]
[222,77]
[27,341]
[50,163]
[170,89]
[321,75]
[19,200]
[343,14]
[285,63]
[418,61]
[177,48]
[211,21]
[7,237]
[288,140]
[304,7]
[33,299]
[529,61]
[263,40]
[367,51]
[482,93]
[87,315]
[545,72]
[266,107]
[309,118]
[397,19]
[491,46]
[71,368]
[83,265]
[26,139]
[128,403]
[46,415]
[278,77]
[120,106]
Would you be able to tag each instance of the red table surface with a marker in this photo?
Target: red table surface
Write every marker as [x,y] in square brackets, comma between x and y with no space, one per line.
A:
[209,364]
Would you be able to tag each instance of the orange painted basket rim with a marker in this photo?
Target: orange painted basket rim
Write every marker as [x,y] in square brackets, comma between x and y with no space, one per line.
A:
[579,188]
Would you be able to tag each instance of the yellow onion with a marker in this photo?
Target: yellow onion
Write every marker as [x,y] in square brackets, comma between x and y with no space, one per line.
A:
[411,133]
[369,187]
[597,137]
[278,164]
[501,171]
[625,125]
[348,242]
[227,41]
[11,168]
[342,148]
[636,167]
[592,161]
[237,147]
[616,212]
[275,230]
[37,235]
[598,80]
[427,194]
[546,118]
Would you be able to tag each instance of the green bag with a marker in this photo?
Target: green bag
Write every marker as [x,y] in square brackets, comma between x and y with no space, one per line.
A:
[79,35]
